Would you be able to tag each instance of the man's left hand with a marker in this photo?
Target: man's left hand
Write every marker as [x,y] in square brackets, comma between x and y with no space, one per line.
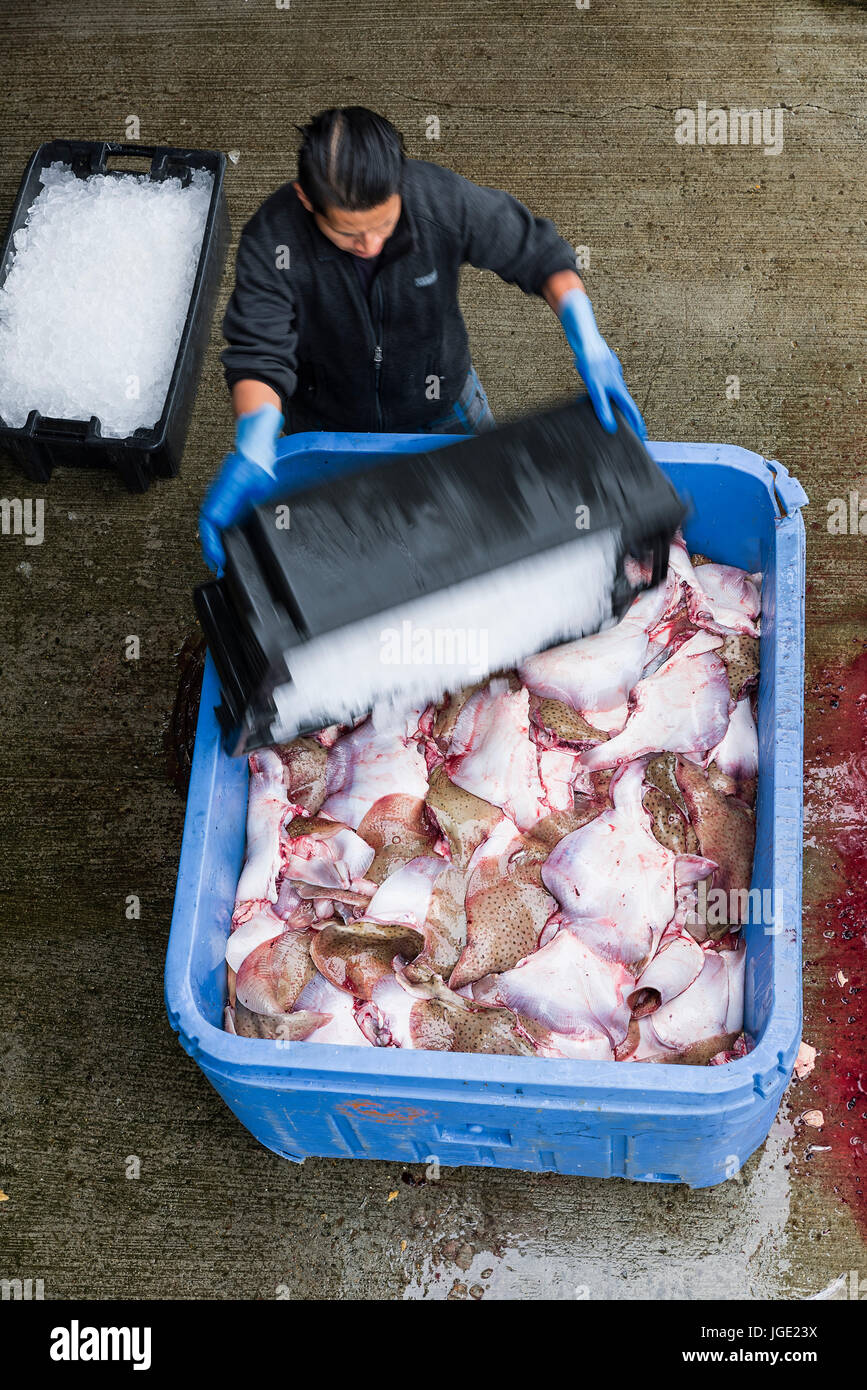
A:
[598,367]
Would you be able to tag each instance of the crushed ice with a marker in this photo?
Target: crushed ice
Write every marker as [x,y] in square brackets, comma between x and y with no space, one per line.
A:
[93,307]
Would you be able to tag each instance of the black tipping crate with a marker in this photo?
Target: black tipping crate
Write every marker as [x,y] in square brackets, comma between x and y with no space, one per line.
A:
[42,444]
[411,523]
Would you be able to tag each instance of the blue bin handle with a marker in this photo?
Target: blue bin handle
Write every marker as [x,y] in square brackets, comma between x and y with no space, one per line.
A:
[790,495]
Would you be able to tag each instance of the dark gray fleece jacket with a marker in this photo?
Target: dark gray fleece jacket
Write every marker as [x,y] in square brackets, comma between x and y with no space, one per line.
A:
[299,319]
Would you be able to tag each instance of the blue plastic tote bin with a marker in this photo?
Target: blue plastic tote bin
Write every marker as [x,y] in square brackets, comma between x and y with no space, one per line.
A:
[649,1122]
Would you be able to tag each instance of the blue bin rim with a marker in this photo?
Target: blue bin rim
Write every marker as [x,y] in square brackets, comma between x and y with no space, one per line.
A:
[786,493]
[763,1072]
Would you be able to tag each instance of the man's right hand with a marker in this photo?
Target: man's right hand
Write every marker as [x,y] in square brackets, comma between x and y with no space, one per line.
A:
[246,477]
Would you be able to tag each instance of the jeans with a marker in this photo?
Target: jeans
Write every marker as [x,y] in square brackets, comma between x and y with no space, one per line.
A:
[470,413]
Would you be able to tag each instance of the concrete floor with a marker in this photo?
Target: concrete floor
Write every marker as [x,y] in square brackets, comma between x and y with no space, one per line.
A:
[705,263]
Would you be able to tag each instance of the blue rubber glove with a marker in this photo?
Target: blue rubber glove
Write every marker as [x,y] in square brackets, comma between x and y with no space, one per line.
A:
[246,477]
[597,365]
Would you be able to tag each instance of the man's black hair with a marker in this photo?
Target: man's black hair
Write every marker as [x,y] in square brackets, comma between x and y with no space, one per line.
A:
[350,158]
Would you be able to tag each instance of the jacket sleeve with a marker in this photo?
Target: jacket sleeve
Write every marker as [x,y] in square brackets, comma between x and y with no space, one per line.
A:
[259,318]
[502,235]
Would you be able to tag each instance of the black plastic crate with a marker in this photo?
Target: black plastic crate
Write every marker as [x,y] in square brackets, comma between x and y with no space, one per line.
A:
[42,444]
[413,521]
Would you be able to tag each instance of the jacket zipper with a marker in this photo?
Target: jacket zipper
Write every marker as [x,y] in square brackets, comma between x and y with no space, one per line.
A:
[377,354]
[377,363]
[375,333]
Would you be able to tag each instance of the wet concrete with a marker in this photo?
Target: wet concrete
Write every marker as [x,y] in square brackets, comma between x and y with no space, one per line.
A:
[705,263]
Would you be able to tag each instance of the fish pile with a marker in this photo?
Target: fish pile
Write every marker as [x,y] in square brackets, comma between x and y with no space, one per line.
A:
[522,867]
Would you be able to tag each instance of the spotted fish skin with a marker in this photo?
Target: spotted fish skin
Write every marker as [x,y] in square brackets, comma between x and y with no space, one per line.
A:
[448,712]
[465,820]
[397,828]
[507,904]
[304,764]
[556,724]
[355,956]
[443,1021]
[663,800]
[740,656]
[726,830]
[291,1027]
[272,976]
[438,1028]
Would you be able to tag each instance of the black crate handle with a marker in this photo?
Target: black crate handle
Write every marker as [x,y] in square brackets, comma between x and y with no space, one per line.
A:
[64,429]
[165,163]
[116,147]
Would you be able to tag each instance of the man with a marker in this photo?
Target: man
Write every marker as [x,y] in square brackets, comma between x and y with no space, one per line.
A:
[345,310]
